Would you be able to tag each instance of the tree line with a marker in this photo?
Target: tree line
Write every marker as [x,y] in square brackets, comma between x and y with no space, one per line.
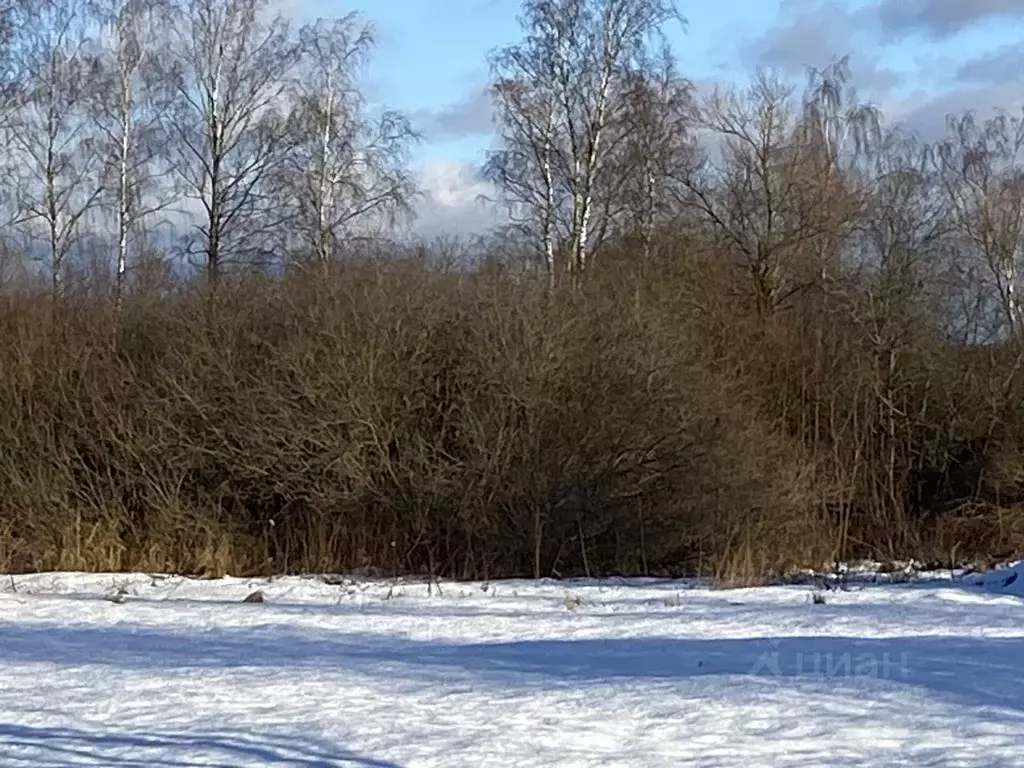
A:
[207,128]
[726,333]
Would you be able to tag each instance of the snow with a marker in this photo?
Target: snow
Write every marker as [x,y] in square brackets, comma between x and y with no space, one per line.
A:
[179,672]
[1006,580]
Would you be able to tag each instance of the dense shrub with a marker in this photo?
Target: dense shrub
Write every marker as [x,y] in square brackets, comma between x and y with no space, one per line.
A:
[470,424]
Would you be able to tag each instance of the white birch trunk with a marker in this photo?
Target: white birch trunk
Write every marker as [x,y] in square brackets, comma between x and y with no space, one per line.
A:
[124,221]
[324,240]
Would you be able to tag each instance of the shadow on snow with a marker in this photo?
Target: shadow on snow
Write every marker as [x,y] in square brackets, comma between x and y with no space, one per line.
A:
[972,670]
[68,747]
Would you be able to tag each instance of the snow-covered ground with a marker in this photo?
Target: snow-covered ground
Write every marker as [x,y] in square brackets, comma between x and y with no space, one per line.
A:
[647,673]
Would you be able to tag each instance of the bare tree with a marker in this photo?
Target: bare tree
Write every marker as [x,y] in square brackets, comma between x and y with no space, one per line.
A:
[840,135]
[659,146]
[11,87]
[898,251]
[982,176]
[526,98]
[231,60]
[346,172]
[12,93]
[52,150]
[843,129]
[904,227]
[779,195]
[749,195]
[128,113]
[599,40]
[557,93]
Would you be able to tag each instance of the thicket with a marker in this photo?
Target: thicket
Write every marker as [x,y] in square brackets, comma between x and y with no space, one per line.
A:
[471,423]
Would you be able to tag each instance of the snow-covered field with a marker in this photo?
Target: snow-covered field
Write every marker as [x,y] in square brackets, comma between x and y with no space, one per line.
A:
[646,673]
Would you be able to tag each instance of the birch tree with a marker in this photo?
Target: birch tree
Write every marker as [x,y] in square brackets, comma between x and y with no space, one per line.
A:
[526,102]
[56,168]
[843,129]
[231,60]
[599,40]
[11,87]
[557,92]
[980,168]
[128,115]
[347,171]
[11,95]
[659,147]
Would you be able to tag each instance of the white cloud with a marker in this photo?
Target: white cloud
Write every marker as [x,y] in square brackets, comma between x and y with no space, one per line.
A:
[453,200]
[472,116]
[926,113]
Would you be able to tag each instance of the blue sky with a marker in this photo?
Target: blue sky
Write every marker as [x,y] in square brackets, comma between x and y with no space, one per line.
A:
[432,54]
[918,59]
